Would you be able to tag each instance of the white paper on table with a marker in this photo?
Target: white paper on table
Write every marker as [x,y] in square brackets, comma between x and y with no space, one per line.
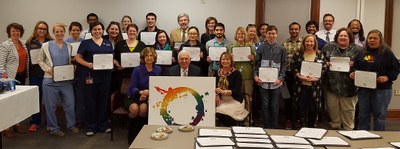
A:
[314,133]
[129,60]
[212,147]
[294,146]
[359,134]
[311,69]
[103,61]
[252,140]
[254,145]
[396,144]
[75,47]
[178,45]
[378,148]
[124,36]
[340,64]
[164,57]
[288,139]
[88,35]
[251,136]
[215,52]
[63,73]
[149,38]
[268,74]
[329,141]
[34,56]
[215,132]
[248,130]
[365,79]
[240,54]
[194,52]
[214,141]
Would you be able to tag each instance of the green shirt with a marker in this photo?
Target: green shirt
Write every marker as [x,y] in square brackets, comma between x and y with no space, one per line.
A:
[246,68]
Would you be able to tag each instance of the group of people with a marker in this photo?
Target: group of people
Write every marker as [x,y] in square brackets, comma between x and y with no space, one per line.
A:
[86,98]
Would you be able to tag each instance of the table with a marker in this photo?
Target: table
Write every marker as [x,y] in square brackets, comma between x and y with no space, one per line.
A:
[186,140]
[17,105]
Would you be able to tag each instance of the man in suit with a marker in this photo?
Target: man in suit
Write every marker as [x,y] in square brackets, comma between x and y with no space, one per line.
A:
[180,35]
[184,68]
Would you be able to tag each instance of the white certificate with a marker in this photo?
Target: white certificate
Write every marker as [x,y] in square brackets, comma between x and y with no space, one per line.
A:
[332,141]
[197,146]
[215,132]
[253,140]
[288,139]
[294,146]
[129,60]
[75,47]
[215,52]
[359,134]
[248,130]
[164,57]
[254,145]
[178,45]
[365,79]
[340,64]
[251,136]
[103,61]
[194,53]
[34,56]
[63,73]
[268,74]
[149,38]
[88,35]
[311,69]
[125,36]
[214,141]
[313,133]
[241,54]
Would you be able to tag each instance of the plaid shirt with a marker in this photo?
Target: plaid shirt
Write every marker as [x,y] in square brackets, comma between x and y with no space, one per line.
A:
[291,48]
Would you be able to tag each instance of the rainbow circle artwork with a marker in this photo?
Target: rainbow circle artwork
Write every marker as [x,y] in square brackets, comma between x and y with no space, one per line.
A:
[172,94]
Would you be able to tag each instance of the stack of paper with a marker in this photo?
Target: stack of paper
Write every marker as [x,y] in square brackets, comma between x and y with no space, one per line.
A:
[215,133]
[248,130]
[396,144]
[290,142]
[251,137]
[214,138]
[329,141]
[294,146]
[214,141]
[197,146]
[359,134]
[313,133]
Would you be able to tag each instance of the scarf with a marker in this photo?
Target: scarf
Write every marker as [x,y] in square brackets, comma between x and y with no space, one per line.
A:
[223,82]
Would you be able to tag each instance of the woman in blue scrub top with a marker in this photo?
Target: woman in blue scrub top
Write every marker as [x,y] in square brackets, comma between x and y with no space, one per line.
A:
[96,82]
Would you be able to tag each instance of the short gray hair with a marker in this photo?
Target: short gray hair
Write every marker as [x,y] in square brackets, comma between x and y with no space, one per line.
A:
[182,15]
[186,51]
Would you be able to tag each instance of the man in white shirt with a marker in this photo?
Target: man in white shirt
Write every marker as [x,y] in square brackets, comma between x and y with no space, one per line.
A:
[328,33]
[90,18]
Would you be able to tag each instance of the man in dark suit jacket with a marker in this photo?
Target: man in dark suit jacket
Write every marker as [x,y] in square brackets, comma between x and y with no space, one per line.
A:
[184,68]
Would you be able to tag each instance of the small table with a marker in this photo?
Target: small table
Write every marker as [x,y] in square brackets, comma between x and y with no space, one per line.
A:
[17,105]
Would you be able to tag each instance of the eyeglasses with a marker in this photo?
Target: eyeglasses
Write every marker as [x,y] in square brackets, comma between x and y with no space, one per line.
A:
[43,29]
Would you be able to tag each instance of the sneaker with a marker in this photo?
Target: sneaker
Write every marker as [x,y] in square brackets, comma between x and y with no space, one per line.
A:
[59,133]
[74,129]
[33,128]
[288,125]
[89,133]
[108,130]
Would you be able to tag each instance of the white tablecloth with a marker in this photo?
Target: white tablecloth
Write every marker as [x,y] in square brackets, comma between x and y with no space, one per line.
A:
[16,106]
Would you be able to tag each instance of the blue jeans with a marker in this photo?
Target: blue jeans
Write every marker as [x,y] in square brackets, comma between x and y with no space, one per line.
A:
[375,102]
[36,118]
[50,96]
[270,106]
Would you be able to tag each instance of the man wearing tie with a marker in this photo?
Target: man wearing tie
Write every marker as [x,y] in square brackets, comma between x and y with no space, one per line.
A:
[184,68]
[180,35]
[328,33]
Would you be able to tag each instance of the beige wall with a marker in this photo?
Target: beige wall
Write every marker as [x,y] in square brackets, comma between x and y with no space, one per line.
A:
[232,13]
[395,103]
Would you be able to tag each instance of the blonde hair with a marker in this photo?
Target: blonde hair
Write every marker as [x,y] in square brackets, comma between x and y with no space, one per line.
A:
[59,24]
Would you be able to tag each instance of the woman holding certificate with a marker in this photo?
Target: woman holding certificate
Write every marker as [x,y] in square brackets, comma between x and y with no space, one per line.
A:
[96,81]
[39,36]
[52,54]
[163,43]
[228,95]
[138,92]
[375,57]
[130,45]
[194,42]
[245,67]
[14,63]
[338,86]
[308,88]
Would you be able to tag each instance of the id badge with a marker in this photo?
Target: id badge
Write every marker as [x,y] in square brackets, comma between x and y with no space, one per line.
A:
[89,80]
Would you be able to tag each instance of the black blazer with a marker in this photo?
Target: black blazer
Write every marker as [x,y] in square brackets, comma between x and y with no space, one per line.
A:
[176,70]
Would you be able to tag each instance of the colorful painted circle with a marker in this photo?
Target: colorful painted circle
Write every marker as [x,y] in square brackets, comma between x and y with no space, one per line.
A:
[174,94]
